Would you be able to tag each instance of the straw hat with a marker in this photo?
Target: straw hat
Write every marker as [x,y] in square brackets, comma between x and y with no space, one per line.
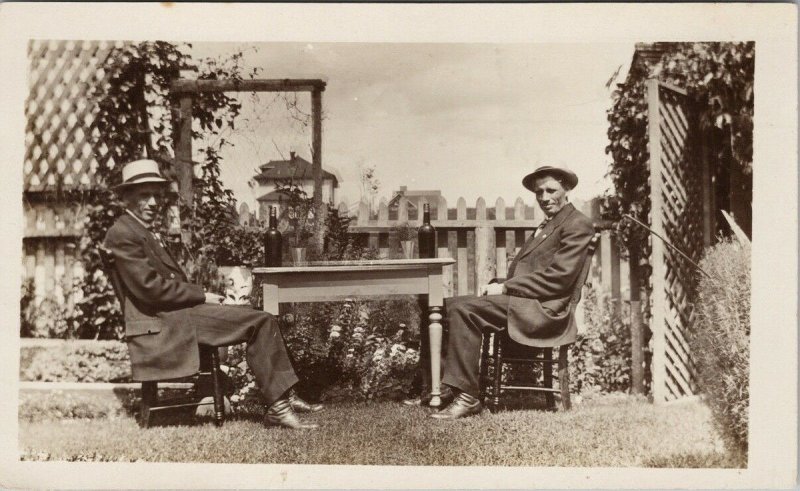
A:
[140,172]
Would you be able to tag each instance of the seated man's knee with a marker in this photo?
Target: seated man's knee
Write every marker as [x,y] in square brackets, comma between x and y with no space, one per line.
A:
[461,305]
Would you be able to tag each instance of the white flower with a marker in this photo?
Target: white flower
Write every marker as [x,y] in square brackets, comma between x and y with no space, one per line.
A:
[335,328]
[397,348]
[335,334]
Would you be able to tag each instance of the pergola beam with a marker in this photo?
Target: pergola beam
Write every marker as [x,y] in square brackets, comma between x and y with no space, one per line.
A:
[256,85]
[183,90]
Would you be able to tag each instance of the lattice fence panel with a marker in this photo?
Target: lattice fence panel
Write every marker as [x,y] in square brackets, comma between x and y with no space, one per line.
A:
[62,150]
[677,214]
[61,137]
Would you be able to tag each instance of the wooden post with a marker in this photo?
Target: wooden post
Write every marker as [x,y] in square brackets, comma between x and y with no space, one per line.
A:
[442,242]
[316,144]
[383,220]
[637,328]
[485,249]
[500,239]
[609,267]
[658,321]
[462,257]
[320,208]
[183,150]
[708,186]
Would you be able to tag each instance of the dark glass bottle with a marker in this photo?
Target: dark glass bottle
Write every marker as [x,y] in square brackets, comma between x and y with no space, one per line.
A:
[272,241]
[426,235]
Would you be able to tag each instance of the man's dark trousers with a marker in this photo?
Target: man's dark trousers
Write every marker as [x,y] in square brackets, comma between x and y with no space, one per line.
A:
[470,317]
[224,325]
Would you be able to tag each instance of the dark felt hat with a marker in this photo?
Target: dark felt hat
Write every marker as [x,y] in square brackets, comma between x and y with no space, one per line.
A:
[568,177]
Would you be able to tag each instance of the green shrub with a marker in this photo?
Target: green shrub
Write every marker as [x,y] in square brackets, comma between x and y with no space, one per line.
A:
[600,359]
[76,362]
[720,339]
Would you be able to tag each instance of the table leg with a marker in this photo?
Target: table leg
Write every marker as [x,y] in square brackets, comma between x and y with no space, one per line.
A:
[435,337]
[270,298]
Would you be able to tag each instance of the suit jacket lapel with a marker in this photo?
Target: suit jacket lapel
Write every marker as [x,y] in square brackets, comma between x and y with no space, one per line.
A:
[150,239]
[548,229]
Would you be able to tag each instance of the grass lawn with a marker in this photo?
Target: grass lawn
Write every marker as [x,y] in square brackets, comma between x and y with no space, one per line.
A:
[609,431]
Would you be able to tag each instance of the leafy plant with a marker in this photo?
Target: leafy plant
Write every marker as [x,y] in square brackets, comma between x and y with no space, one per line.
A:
[404,231]
[718,78]
[600,359]
[339,244]
[45,317]
[298,212]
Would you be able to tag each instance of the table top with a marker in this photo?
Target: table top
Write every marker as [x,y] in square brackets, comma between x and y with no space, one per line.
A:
[361,265]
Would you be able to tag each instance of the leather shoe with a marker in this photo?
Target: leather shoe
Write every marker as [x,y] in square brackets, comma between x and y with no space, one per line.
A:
[446,396]
[464,405]
[281,414]
[301,406]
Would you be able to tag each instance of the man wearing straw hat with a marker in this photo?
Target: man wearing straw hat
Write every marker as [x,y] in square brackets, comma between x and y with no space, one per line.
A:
[533,303]
[166,317]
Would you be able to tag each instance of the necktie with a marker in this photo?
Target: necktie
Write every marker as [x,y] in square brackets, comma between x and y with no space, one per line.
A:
[541,227]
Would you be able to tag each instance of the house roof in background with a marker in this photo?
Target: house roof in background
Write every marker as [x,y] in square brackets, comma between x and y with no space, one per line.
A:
[295,168]
[413,196]
[272,196]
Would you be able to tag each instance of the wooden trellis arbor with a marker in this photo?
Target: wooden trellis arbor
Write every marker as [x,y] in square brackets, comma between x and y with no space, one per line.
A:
[680,212]
[185,89]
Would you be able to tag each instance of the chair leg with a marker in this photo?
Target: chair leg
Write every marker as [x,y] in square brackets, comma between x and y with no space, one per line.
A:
[547,372]
[149,399]
[219,397]
[563,377]
[484,367]
[498,372]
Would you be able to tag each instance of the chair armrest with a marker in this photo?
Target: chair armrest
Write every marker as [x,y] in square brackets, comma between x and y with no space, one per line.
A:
[497,280]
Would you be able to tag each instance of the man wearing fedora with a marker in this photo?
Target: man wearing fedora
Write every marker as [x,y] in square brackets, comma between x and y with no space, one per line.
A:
[166,317]
[533,303]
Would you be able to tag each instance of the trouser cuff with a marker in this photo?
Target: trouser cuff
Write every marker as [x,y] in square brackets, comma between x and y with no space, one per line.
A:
[280,383]
[462,385]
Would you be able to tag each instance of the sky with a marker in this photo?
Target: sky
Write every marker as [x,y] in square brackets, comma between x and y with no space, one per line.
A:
[467,119]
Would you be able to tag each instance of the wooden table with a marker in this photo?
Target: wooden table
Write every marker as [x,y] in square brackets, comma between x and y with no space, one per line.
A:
[337,280]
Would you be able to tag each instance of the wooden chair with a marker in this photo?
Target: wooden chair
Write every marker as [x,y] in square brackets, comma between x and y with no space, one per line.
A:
[209,380]
[507,352]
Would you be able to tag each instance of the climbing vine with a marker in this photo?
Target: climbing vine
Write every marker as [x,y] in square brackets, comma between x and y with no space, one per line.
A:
[718,78]
[134,120]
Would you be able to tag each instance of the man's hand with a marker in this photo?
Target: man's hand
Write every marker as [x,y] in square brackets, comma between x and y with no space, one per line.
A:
[491,289]
[214,298]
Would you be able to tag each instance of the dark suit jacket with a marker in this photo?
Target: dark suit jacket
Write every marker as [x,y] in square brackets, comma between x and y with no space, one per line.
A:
[542,278]
[161,342]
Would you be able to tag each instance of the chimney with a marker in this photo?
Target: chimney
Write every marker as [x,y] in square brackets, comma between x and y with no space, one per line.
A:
[403,189]
[291,155]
